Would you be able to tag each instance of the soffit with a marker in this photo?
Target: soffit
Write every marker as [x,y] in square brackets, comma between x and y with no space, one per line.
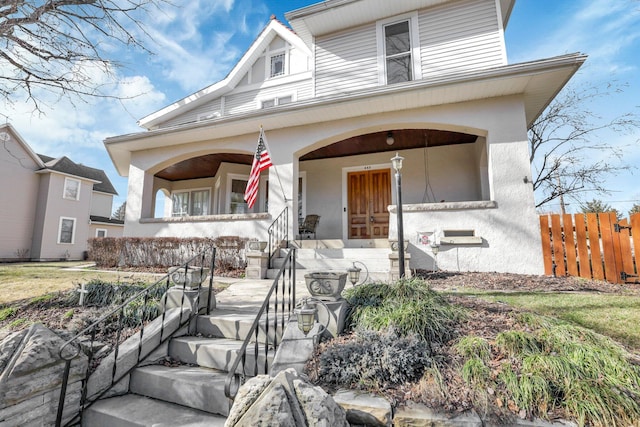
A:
[202,167]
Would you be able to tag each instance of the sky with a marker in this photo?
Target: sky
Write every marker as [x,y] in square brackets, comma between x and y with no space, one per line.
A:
[196,43]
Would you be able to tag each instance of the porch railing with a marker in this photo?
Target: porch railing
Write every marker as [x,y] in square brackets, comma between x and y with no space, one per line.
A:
[278,234]
[141,303]
[267,328]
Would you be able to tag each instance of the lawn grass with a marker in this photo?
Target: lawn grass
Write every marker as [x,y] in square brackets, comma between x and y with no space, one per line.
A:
[616,316]
[24,281]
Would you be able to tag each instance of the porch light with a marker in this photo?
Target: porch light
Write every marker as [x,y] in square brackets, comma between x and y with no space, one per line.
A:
[397,165]
[390,139]
[306,316]
[354,274]
[396,162]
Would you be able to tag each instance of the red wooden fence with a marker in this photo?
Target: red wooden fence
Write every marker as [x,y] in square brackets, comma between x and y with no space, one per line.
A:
[593,246]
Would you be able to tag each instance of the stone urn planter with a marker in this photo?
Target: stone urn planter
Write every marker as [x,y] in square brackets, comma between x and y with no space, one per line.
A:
[326,286]
[191,278]
[254,245]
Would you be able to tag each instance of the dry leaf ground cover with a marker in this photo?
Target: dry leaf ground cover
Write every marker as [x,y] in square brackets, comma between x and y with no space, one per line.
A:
[509,355]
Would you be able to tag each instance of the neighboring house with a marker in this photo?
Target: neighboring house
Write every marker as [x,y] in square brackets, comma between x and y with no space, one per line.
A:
[349,85]
[50,207]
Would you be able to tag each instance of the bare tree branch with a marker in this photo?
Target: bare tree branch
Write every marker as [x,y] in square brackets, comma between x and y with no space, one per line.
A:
[55,45]
[567,153]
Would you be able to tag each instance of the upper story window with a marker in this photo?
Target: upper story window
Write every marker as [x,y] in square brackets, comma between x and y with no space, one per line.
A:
[277,65]
[398,50]
[71,189]
[192,203]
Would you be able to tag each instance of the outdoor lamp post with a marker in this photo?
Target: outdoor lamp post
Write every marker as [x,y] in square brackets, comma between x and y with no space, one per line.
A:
[397,165]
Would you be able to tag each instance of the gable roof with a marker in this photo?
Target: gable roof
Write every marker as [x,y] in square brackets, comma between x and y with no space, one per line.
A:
[273,29]
[11,131]
[67,166]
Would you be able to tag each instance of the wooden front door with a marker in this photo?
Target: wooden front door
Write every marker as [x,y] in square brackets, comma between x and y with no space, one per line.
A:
[369,194]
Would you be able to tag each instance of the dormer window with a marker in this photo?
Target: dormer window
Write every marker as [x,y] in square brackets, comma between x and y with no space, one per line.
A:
[277,65]
[398,50]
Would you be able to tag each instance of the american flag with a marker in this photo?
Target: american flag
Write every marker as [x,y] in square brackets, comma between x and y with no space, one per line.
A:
[261,161]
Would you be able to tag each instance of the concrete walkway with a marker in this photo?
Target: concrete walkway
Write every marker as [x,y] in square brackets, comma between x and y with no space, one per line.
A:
[249,294]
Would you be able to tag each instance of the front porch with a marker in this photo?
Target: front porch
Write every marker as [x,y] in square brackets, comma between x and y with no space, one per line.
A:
[458,181]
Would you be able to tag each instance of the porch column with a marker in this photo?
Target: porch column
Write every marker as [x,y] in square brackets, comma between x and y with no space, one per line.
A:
[139,198]
[283,192]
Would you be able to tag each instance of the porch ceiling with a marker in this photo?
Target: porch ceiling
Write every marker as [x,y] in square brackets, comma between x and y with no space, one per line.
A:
[202,167]
[404,139]
[207,166]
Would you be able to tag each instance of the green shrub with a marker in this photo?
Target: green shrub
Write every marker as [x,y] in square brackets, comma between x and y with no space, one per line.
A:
[410,307]
[373,360]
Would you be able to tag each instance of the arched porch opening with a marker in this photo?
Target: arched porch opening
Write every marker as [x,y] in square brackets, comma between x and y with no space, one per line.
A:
[208,184]
[349,183]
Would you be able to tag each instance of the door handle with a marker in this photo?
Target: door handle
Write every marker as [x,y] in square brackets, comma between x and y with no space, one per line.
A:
[371,219]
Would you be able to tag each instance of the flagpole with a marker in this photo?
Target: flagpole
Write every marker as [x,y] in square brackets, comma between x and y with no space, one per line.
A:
[266,143]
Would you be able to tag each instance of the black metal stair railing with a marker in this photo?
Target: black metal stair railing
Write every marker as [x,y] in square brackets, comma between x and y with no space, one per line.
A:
[278,234]
[267,328]
[71,348]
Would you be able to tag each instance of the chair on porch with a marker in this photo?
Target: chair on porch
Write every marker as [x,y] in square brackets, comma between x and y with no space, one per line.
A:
[309,225]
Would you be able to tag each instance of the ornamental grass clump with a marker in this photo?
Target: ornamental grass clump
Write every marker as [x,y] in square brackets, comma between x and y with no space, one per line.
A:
[371,360]
[552,367]
[408,306]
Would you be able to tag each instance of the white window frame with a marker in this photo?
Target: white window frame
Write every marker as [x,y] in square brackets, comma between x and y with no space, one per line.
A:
[64,190]
[189,192]
[276,52]
[414,37]
[276,99]
[73,230]
[230,178]
[98,230]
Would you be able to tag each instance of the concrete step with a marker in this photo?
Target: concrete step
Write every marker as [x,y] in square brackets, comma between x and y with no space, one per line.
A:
[132,410]
[374,276]
[229,323]
[216,353]
[190,386]
[308,243]
[331,260]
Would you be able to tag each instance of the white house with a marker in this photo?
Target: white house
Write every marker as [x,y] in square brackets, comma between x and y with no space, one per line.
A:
[347,86]
[50,207]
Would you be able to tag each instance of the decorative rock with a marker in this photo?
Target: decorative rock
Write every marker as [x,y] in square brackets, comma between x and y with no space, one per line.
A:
[319,408]
[364,408]
[248,393]
[286,400]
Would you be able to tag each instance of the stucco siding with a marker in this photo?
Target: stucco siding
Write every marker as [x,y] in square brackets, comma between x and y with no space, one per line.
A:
[18,198]
[460,36]
[347,61]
